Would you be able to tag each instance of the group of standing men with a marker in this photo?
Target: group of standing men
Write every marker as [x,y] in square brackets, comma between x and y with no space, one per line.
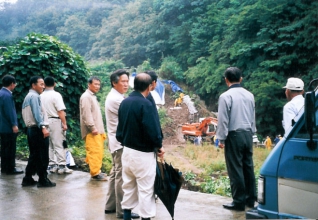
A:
[44,116]
[135,136]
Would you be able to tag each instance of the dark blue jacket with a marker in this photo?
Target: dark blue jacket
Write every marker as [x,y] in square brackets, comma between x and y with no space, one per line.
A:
[137,124]
[154,106]
[8,115]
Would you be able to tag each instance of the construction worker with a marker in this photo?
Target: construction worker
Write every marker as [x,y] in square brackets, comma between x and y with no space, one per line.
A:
[179,100]
[268,143]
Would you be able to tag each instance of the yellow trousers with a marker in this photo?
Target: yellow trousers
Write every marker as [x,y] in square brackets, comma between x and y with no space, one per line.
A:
[94,152]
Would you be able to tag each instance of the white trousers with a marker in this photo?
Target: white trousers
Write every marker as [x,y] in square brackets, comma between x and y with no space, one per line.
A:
[139,172]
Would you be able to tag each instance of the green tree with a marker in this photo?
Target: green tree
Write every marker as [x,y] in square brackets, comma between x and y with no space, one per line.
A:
[44,55]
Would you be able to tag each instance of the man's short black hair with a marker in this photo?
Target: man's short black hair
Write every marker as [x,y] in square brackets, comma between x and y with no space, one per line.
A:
[142,82]
[153,75]
[34,80]
[7,80]
[49,81]
[233,74]
[90,79]
[114,77]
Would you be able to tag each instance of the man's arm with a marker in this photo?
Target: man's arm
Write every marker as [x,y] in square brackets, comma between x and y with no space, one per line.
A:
[35,105]
[223,121]
[151,126]
[11,113]
[288,115]
[61,115]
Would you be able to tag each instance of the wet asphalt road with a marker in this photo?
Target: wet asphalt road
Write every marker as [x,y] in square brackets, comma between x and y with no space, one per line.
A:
[77,197]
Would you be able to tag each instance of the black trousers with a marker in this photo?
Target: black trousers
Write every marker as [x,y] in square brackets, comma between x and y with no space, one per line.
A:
[8,150]
[39,153]
[239,162]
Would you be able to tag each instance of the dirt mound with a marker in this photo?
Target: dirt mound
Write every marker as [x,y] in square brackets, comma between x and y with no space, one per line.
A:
[172,130]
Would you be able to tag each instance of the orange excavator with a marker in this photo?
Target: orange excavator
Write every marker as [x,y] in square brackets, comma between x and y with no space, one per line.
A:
[206,129]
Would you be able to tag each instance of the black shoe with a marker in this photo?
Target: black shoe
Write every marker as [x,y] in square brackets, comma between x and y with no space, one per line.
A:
[46,183]
[28,181]
[15,171]
[110,211]
[133,215]
[233,206]
[250,204]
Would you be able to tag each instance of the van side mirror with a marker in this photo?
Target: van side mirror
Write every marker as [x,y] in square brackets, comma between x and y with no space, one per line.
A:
[310,113]
[310,118]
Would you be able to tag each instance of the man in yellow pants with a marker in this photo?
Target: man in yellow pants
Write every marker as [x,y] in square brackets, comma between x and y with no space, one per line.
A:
[92,129]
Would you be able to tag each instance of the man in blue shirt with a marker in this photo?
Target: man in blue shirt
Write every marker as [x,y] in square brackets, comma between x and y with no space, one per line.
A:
[8,126]
[36,120]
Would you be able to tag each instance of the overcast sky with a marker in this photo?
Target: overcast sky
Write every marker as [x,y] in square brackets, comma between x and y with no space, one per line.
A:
[12,1]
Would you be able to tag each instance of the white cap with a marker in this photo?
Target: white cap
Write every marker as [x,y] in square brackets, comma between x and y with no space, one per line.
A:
[294,84]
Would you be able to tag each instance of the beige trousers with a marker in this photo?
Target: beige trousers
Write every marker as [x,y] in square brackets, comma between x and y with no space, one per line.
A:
[57,153]
[115,191]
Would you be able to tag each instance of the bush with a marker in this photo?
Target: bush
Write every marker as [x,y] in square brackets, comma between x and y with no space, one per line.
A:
[171,70]
[44,55]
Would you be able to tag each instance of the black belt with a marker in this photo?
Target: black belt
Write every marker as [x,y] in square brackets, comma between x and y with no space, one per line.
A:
[241,130]
[55,117]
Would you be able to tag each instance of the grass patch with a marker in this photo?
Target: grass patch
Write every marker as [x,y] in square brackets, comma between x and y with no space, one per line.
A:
[214,178]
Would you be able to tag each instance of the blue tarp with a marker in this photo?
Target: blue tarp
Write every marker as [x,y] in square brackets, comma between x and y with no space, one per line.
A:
[174,87]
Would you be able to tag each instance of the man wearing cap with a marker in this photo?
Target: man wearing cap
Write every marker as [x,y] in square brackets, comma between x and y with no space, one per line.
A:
[294,94]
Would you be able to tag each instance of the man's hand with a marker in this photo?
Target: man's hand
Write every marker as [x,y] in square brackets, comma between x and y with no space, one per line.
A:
[45,132]
[221,145]
[15,129]
[95,132]
[161,152]
[64,126]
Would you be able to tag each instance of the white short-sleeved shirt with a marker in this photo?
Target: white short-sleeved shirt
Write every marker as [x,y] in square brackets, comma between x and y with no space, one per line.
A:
[52,101]
[291,110]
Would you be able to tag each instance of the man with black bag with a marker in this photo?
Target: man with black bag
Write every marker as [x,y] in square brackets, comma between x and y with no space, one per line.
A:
[139,132]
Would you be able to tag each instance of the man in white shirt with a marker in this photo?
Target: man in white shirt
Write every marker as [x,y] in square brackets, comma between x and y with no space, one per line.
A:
[55,109]
[294,94]
[119,81]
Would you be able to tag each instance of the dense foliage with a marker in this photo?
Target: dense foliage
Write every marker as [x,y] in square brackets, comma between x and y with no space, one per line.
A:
[43,55]
[190,41]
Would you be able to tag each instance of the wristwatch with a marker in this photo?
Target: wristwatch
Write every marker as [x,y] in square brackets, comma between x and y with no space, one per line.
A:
[43,126]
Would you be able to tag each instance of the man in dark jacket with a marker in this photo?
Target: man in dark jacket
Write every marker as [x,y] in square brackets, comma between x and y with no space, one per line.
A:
[154,78]
[140,133]
[8,126]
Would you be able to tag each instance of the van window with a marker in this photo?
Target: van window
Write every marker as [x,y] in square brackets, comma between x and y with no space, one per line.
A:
[303,134]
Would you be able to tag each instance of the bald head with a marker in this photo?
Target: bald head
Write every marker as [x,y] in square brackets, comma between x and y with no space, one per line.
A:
[142,82]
